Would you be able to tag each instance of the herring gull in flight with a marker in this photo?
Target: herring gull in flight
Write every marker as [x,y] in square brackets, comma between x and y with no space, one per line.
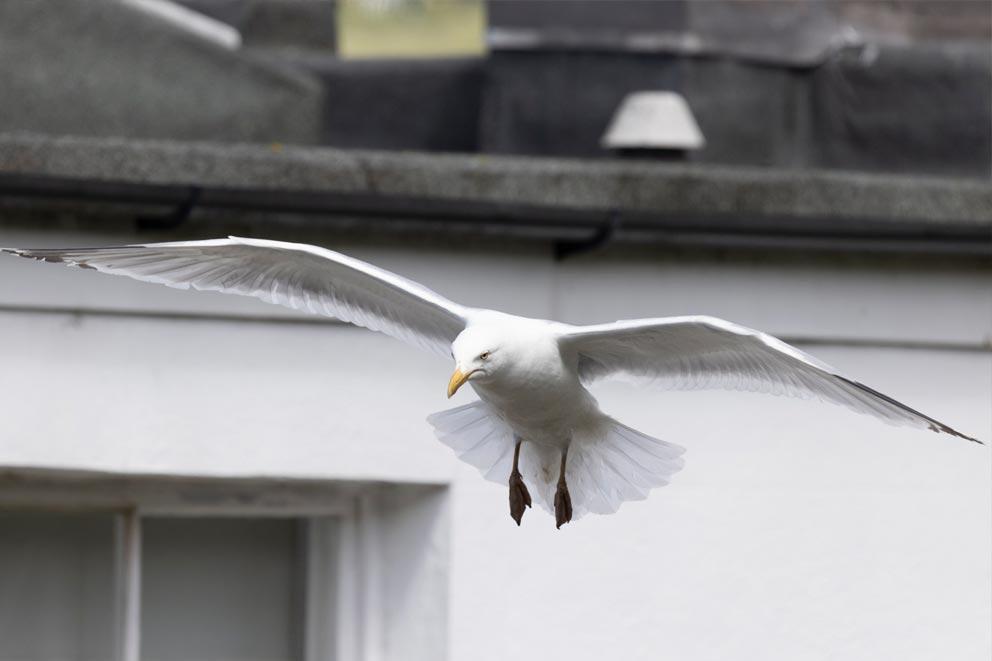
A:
[535,423]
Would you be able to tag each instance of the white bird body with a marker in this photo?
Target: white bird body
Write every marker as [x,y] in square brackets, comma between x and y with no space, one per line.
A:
[534,410]
[538,395]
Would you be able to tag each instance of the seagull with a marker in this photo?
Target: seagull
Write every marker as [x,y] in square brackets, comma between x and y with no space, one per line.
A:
[535,425]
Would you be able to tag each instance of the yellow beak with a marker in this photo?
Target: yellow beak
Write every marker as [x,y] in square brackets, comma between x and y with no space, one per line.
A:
[457,379]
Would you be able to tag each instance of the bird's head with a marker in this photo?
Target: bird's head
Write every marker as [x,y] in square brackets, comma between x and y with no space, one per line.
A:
[477,357]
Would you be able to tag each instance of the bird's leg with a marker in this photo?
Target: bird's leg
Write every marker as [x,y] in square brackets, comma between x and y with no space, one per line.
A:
[519,496]
[563,501]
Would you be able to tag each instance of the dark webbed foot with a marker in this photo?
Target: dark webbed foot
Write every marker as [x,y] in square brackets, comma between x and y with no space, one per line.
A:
[563,501]
[519,496]
[563,505]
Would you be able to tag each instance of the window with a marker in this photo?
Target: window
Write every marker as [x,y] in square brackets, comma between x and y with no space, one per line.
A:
[208,587]
[120,569]
[56,587]
[230,589]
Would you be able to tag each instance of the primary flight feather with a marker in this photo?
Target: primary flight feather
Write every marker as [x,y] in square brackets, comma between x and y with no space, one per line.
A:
[535,423]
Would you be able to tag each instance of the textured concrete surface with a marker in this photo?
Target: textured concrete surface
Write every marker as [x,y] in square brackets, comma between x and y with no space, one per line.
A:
[106,69]
[631,186]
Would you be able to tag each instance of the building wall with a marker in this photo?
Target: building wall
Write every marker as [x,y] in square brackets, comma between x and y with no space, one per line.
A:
[797,530]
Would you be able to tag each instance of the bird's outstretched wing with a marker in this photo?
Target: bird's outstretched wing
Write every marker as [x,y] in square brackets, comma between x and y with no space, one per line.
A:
[689,353]
[295,275]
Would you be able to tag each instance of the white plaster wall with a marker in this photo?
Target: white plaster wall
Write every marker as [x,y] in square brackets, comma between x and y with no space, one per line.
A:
[796,531]
[896,302]
[194,397]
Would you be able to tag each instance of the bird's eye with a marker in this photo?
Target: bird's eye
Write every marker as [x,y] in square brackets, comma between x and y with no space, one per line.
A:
[484,355]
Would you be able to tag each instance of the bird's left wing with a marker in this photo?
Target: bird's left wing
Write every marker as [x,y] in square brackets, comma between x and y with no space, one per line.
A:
[689,353]
[294,275]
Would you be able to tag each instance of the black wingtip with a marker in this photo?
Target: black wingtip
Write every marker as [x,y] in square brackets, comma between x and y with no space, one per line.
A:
[51,258]
[31,253]
[46,255]
[934,425]
[944,429]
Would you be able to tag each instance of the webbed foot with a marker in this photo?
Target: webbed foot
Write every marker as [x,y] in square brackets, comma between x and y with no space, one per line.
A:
[519,496]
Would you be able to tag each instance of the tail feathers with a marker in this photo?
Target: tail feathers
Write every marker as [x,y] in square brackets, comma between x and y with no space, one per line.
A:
[478,436]
[616,464]
[607,465]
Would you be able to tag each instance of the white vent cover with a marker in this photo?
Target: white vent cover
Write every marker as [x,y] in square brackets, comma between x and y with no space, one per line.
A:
[653,120]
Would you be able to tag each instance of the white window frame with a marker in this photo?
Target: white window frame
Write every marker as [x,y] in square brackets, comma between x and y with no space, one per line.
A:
[350,529]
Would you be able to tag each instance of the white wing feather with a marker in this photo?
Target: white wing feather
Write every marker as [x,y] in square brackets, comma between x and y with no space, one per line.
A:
[294,275]
[688,353]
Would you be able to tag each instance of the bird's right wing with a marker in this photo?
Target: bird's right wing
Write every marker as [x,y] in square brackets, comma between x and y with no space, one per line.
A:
[690,353]
[295,275]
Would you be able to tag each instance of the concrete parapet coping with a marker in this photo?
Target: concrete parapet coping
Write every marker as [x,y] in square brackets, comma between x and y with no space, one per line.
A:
[644,194]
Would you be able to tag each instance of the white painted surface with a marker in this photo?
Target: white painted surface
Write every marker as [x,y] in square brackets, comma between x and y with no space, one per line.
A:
[813,300]
[218,398]
[796,530]
[128,581]
[416,559]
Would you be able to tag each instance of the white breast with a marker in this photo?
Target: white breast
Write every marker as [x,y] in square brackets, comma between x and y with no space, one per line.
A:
[536,393]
